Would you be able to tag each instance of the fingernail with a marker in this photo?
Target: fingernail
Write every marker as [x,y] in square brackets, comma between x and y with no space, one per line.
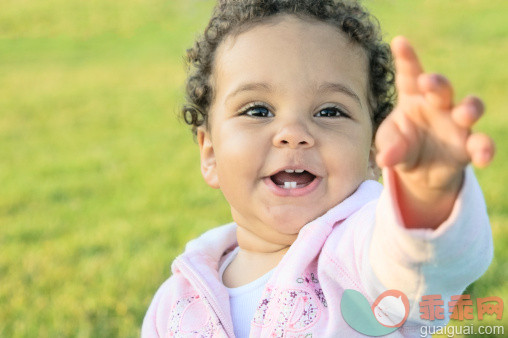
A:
[484,157]
[435,80]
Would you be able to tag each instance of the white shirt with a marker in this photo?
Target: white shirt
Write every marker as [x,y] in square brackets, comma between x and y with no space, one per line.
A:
[243,300]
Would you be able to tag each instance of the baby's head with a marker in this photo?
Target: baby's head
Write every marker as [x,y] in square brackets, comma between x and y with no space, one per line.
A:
[285,97]
[231,17]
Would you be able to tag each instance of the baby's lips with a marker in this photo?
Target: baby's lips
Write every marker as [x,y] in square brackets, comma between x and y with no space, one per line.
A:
[295,168]
[300,178]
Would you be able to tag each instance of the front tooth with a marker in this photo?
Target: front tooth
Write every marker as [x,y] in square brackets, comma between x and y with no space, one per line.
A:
[289,185]
[289,171]
[299,171]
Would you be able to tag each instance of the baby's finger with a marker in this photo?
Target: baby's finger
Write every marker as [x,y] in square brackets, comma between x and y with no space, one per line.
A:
[407,66]
[437,90]
[481,149]
[391,146]
[468,112]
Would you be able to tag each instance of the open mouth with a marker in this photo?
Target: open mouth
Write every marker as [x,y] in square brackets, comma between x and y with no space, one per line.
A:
[292,178]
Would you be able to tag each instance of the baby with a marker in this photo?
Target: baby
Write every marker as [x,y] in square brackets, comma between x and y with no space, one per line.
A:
[289,101]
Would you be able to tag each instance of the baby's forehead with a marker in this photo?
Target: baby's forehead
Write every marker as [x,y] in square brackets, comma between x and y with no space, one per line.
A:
[288,51]
[302,26]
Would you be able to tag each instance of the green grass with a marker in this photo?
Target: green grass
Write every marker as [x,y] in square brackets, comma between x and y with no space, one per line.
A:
[101,186]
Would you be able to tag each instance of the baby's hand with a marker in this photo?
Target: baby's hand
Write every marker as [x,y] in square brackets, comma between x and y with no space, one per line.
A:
[427,140]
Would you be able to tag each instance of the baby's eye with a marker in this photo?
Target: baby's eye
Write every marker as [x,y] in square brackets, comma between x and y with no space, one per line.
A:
[331,112]
[256,111]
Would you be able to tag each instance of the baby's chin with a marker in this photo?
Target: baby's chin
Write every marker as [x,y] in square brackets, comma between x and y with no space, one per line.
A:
[290,223]
[279,225]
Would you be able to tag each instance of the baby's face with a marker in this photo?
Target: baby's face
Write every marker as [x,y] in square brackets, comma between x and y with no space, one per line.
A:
[290,132]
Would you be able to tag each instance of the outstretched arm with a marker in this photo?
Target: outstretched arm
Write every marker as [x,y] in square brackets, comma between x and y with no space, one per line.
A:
[427,141]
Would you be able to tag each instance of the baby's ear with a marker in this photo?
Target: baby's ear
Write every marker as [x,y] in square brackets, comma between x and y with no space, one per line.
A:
[374,172]
[207,155]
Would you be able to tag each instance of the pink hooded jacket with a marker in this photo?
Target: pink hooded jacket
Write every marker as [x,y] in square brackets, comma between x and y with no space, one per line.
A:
[360,244]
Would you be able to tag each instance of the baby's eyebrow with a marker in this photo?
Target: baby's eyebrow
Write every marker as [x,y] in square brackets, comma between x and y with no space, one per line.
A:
[339,87]
[251,86]
[324,87]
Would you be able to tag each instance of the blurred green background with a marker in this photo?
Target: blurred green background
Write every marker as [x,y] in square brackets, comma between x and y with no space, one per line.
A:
[100,181]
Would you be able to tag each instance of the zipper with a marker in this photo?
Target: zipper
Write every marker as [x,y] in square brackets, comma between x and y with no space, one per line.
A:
[189,272]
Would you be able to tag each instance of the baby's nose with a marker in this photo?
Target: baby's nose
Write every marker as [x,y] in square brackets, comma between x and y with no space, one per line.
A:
[294,135]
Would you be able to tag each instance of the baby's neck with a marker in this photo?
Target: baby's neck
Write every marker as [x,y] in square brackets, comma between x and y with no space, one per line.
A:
[248,266]
[255,258]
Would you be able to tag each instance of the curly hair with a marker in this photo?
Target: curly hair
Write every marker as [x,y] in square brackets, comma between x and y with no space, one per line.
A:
[235,16]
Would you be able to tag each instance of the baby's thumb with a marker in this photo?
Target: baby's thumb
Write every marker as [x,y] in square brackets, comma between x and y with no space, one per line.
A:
[391,145]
